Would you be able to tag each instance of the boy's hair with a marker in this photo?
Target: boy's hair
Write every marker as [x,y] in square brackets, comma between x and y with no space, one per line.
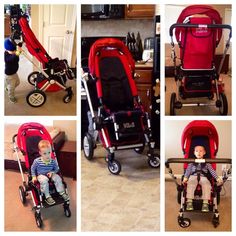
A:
[200,146]
[44,144]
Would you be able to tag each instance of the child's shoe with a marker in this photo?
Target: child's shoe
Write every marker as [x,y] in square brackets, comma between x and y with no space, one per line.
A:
[205,207]
[13,99]
[189,206]
[50,201]
[65,196]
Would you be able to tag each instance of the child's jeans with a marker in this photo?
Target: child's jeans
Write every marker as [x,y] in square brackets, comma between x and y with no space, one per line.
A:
[192,184]
[12,81]
[44,186]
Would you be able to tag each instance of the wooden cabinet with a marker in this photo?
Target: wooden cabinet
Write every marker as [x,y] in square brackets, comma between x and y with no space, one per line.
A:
[7,28]
[225,67]
[144,84]
[139,11]
[67,159]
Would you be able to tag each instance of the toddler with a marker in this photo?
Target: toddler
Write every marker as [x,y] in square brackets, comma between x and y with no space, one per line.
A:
[44,168]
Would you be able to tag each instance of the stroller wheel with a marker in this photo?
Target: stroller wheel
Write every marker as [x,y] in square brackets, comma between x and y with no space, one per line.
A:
[88,146]
[172,104]
[215,221]
[223,109]
[139,150]
[67,212]
[36,98]
[67,98]
[184,222]
[32,77]
[114,167]
[154,162]
[38,219]
[22,194]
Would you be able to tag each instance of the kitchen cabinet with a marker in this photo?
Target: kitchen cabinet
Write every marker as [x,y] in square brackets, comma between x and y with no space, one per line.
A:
[67,159]
[225,67]
[139,11]
[144,84]
[7,28]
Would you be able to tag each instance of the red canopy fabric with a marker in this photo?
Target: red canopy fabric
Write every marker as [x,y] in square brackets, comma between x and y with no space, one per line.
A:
[198,128]
[32,43]
[202,10]
[108,42]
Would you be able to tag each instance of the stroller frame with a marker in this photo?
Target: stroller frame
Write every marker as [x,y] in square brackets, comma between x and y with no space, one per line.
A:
[44,79]
[176,101]
[181,189]
[29,188]
[113,165]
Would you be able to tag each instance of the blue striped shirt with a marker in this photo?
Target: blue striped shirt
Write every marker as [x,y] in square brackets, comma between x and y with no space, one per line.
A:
[41,168]
[193,168]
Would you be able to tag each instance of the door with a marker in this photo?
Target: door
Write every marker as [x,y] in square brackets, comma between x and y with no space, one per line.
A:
[58,29]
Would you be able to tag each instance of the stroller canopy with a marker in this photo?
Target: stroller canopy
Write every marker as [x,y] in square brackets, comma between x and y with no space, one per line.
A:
[32,43]
[202,10]
[28,136]
[200,132]
[105,43]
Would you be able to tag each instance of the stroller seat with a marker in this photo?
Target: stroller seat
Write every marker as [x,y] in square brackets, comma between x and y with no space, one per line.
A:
[199,133]
[121,120]
[198,32]
[28,137]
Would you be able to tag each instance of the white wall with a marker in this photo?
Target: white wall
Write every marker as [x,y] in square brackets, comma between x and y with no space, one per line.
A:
[69,126]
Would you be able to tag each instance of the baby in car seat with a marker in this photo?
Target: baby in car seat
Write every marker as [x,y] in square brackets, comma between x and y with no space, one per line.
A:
[45,168]
[191,178]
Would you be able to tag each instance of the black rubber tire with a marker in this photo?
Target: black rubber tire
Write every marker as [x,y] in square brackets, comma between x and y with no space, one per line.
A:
[184,223]
[88,146]
[38,220]
[139,150]
[224,104]
[22,194]
[154,163]
[172,104]
[67,212]
[67,98]
[114,167]
[215,221]
[36,98]
[32,76]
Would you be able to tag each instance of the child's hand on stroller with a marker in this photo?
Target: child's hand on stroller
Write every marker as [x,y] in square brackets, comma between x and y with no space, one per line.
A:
[219,181]
[34,179]
[185,180]
[18,51]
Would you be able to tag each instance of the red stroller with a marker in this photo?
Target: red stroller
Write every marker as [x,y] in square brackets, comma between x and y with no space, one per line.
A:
[198,32]
[52,75]
[26,141]
[201,133]
[120,120]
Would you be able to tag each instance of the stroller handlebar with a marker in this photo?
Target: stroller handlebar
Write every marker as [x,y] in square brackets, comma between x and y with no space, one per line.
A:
[193,160]
[214,26]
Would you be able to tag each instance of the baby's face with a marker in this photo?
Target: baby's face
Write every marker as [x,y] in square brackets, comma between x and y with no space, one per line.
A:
[199,152]
[45,154]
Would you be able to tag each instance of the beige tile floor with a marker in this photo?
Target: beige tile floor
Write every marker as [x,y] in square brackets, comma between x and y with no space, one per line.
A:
[128,202]
[206,110]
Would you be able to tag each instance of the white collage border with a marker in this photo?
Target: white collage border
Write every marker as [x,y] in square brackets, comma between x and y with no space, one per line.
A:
[163,117]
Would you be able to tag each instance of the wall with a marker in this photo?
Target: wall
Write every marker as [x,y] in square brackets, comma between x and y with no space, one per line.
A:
[117,28]
[69,126]
[173,132]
